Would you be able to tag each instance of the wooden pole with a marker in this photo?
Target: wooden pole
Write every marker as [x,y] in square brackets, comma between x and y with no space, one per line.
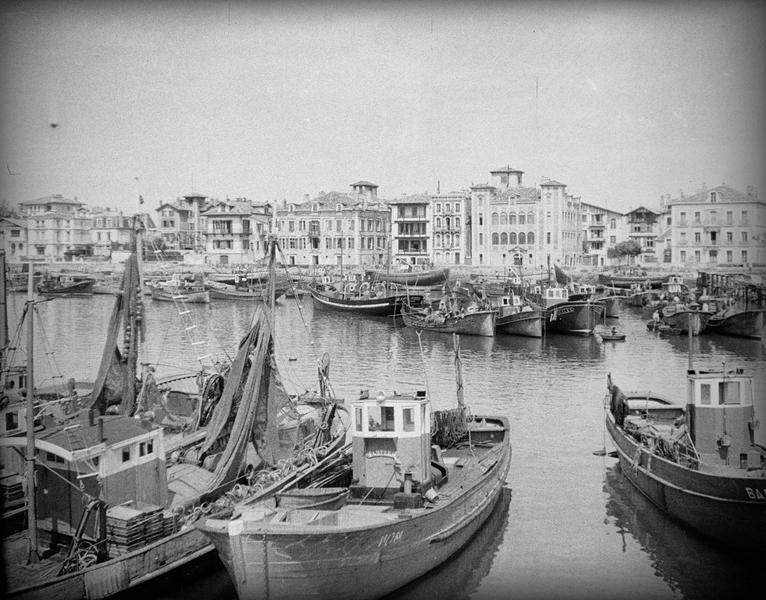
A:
[691,342]
[458,374]
[30,455]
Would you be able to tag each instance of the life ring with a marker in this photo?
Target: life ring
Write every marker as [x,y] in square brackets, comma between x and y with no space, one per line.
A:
[364,288]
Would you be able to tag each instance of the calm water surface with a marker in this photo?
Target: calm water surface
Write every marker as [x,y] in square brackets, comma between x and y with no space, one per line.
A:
[569,526]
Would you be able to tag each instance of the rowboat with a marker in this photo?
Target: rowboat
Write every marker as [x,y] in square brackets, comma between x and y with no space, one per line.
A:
[415,500]
[696,460]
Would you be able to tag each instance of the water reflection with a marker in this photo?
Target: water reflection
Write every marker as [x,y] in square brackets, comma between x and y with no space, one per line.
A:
[689,564]
[460,576]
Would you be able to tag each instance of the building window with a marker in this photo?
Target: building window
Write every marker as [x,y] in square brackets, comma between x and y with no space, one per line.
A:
[744,256]
[530,218]
[729,236]
[494,219]
[697,256]
[548,238]
[683,256]
[744,236]
[495,239]
[713,197]
[481,220]
[744,218]
[522,239]
[697,237]
[729,256]
[512,219]
[530,238]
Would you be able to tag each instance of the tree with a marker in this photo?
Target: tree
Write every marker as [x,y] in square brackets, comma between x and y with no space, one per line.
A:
[628,248]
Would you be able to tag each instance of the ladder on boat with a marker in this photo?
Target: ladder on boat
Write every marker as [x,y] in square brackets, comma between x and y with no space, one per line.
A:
[191,329]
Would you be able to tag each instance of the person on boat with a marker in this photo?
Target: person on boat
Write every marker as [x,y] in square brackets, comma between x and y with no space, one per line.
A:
[656,317]
[614,331]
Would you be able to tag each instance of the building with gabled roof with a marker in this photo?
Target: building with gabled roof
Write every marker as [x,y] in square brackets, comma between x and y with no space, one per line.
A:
[235,231]
[602,229]
[642,225]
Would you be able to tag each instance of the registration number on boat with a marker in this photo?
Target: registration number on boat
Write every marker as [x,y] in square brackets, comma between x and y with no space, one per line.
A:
[755,493]
[390,538]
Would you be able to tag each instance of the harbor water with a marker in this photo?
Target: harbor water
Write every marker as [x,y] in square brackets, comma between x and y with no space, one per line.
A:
[569,524]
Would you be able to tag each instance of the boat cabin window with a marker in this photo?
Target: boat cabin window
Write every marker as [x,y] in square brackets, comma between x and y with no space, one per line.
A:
[11,421]
[408,419]
[380,418]
[728,392]
[358,418]
[53,458]
[705,394]
[145,448]
[126,454]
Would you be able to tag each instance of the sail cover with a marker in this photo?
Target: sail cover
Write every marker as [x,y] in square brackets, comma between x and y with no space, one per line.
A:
[248,408]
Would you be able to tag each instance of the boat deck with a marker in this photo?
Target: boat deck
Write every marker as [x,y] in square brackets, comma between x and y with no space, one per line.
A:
[465,465]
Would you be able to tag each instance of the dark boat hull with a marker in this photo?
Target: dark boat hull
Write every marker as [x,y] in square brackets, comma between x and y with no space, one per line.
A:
[728,509]
[748,323]
[683,321]
[573,318]
[79,287]
[376,307]
[526,323]
[420,278]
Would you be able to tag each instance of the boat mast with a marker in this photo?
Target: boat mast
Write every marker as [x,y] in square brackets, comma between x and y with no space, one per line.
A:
[458,374]
[32,557]
[4,300]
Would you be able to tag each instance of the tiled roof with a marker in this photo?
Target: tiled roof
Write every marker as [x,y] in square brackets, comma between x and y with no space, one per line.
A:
[527,194]
[364,183]
[724,193]
[55,198]
[413,199]
[552,183]
[506,169]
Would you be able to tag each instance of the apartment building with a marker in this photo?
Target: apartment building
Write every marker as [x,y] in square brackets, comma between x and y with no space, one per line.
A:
[602,230]
[179,223]
[451,215]
[335,228]
[411,231]
[235,231]
[58,228]
[718,226]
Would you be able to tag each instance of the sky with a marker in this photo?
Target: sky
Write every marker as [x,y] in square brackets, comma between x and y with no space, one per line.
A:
[621,101]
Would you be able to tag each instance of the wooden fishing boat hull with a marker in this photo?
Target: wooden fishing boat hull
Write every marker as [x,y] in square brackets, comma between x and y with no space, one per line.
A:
[188,546]
[573,318]
[480,322]
[218,292]
[682,321]
[421,278]
[84,286]
[625,281]
[376,307]
[358,562]
[727,508]
[612,305]
[201,297]
[747,323]
[527,323]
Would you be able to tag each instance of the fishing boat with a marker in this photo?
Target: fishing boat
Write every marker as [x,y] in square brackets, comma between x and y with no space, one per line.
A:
[65,285]
[131,489]
[567,316]
[177,289]
[517,316]
[226,291]
[423,484]
[738,322]
[364,298]
[410,278]
[463,321]
[630,277]
[697,459]
[685,317]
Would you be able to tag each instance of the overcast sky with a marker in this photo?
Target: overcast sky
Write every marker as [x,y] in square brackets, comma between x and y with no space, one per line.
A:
[622,101]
